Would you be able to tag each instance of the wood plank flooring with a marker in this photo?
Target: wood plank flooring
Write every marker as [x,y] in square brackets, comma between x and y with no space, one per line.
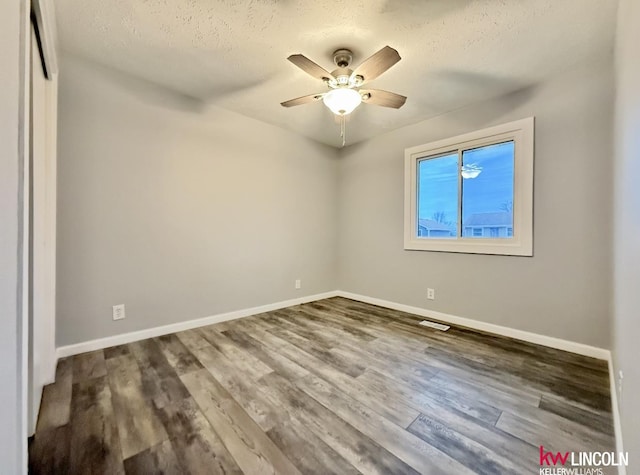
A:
[334,386]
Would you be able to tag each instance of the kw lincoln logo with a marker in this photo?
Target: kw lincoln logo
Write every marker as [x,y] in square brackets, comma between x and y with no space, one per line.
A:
[579,463]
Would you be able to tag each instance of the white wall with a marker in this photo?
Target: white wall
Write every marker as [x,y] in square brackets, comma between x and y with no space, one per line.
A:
[13,21]
[179,212]
[627,225]
[565,289]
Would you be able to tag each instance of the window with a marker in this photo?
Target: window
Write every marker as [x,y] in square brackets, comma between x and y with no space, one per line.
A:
[472,193]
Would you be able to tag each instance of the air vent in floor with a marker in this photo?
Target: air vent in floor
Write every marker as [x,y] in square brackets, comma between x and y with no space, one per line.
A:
[437,326]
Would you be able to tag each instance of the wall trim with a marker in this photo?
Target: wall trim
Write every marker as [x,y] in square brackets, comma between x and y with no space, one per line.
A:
[123,338]
[536,338]
[551,342]
[615,412]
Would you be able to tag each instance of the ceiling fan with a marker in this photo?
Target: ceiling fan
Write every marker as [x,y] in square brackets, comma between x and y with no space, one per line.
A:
[345,85]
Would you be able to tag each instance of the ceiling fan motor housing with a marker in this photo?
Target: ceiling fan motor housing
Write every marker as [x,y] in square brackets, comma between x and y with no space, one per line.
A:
[342,57]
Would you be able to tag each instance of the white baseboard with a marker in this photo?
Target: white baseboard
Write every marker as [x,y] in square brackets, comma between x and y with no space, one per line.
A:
[615,412]
[124,338]
[536,338]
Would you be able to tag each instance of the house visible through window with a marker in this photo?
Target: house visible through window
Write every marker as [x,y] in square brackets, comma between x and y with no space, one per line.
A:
[469,193]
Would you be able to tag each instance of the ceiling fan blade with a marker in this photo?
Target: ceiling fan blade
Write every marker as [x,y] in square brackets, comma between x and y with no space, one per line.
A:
[310,67]
[375,65]
[382,98]
[302,100]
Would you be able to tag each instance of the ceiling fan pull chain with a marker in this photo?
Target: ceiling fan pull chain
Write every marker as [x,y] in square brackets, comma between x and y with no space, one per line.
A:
[343,129]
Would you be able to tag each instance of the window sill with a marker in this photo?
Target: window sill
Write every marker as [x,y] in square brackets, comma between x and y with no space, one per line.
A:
[505,247]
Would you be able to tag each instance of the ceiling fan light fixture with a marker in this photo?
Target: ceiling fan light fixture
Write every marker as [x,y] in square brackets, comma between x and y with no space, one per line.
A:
[470,171]
[342,101]
[356,81]
[344,84]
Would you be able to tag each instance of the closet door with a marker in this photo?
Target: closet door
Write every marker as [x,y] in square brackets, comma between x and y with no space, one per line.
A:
[42,215]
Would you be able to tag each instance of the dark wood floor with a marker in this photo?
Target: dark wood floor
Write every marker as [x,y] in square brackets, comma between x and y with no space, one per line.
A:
[334,386]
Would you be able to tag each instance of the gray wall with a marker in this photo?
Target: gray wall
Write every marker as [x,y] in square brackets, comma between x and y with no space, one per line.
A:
[565,289]
[12,429]
[180,212]
[627,225]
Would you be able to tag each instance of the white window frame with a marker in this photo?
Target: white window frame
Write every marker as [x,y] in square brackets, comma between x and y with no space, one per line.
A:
[521,132]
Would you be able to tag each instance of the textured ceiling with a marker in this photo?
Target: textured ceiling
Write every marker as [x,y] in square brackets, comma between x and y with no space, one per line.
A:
[232,53]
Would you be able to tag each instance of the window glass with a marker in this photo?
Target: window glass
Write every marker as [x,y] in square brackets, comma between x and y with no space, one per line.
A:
[487,189]
[438,197]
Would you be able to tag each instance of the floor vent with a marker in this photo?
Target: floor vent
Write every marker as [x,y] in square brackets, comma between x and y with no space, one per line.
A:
[437,326]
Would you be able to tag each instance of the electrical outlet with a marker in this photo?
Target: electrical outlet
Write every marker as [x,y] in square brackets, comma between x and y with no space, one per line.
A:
[118,312]
[298,283]
[431,294]
[620,378]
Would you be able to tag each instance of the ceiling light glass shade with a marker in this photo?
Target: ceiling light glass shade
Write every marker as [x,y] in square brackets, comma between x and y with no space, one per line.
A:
[342,101]
[471,171]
